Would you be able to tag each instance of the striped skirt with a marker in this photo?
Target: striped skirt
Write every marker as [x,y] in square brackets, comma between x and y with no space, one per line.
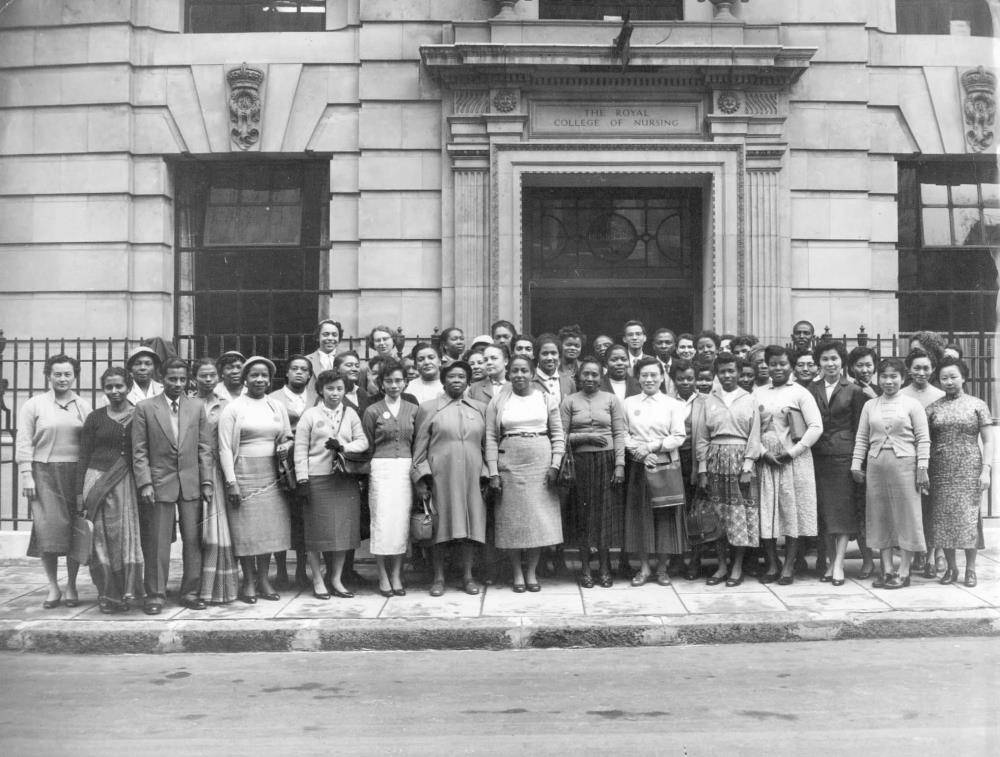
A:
[657,531]
[219,572]
[598,508]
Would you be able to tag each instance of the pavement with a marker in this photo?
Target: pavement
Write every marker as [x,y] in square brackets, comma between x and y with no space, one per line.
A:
[560,615]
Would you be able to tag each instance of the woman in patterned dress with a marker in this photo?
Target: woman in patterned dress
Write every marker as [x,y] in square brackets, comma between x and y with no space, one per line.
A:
[787,478]
[959,470]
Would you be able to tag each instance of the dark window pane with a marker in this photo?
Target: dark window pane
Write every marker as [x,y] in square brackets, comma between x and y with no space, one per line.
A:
[935,16]
[214,16]
[641,10]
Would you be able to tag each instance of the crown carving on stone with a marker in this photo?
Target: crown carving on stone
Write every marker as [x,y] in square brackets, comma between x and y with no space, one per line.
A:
[979,80]
[245,76]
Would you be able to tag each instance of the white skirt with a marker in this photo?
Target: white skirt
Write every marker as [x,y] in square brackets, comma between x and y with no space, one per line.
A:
[390,497]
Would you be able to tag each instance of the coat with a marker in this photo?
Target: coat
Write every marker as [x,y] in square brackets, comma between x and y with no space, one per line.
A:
[841,415]
[175,468]
[314,361]
[448,448]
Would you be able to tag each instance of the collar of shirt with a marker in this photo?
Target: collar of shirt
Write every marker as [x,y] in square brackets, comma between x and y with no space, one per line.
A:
[657,397]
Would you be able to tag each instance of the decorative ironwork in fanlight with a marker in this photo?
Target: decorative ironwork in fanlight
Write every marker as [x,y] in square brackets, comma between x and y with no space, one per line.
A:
[614,232]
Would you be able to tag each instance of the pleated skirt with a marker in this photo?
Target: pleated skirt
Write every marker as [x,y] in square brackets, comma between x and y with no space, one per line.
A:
[261,524]
[332,517]
[659,531]
[598,508]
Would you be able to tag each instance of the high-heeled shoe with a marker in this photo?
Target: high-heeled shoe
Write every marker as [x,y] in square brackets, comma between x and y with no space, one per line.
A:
[836,582]
[51,604]
[250,599]
[970,577]
[825,579]
[714,580]
[896,582]
[385,592]
[732,582]
[342,594]
[785,580]
[399,592]
[320,595]
[769,578]
[866,573]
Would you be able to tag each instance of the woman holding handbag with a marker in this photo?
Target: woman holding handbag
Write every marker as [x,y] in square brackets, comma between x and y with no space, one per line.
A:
[654,432]
[106,492]
[594,423]
[332,516]
[524,448]
[727,445]
[254,433]
[388,426]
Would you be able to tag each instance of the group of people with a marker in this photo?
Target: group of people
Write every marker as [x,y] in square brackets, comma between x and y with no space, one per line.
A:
[513,446]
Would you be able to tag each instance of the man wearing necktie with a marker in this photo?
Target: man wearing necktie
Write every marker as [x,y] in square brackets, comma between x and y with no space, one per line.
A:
[172,461]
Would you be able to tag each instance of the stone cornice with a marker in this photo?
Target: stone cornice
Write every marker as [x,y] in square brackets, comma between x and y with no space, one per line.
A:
[521,64]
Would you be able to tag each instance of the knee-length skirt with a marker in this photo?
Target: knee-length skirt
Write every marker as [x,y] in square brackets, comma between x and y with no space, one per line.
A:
[332,517]
[261,524]
[390,495]
[52,508]
[838,512]
[528,515]
[739,514]
[893,516]
[659,530]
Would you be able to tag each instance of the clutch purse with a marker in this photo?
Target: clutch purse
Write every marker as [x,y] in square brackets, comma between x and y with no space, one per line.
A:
[796,423]
[352,463]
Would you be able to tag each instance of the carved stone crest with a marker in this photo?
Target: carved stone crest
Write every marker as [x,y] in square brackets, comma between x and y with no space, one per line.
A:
[728,103]
[979,107]
[244,105]
[505,100]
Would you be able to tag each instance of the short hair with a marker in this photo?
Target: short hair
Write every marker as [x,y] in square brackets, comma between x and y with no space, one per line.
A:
[613,348]
[664,330]
[685,335]
[370,339]
[826,345]
[461,364]
[443,336]
[209,361]
[645,363]
[523,359]
[389,366]
[756,350]
[747,340]
[708,334]
[915,354]
[631,323]
[932,342]
[807,323]
[342,356]
[115,370]
[330,322]
[861,352]
[587,360]
[954,362]
[506,324]
[724,337]
[956,347]
[548,338]
[175,362]
[328,377]
[895,363]
[725,358]
[61,358]
[228,358]
[419,347]
[474,350]
[297,356]
[679,365]
[602,336]
[703,363]
[571,332]
[504,349]
[773,350]
[523,338]
[799,354]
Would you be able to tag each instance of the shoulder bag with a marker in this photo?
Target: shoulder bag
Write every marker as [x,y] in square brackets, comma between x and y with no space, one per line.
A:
[351,463]
[702,521]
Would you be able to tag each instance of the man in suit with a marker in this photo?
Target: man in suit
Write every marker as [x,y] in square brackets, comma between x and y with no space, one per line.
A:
[635,340]
[172,461]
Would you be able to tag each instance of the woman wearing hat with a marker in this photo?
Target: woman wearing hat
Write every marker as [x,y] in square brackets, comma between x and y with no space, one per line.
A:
[142,365]
[447,467]
[254,433]
[230,369]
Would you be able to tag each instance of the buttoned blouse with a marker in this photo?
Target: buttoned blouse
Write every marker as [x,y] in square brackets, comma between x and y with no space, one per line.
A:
[655,420]
[48,431]
[598,414]
[895,423]
[390,436]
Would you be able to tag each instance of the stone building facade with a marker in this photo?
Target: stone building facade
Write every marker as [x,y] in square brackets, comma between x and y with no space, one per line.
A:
[177,167]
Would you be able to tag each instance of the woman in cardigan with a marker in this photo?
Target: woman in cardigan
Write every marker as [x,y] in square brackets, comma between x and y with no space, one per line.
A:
[253,432]
[388,425]
[727,445]
[654,430]
[594,423]
[332,517]
[893,438]
[523,425]
[106,491]
[220,578]
[785,470]
[959,472]
[840,402]
[47,450]
[450,431]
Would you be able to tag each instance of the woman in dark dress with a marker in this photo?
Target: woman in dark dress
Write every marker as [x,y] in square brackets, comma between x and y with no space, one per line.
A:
[840,403]
[106,492]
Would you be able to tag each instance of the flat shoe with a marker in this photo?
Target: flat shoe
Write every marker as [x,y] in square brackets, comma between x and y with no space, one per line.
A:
[71,602]
[949,577]
[606,581]
[470,587]
[662,579]
[195,603]
[786,580]
[970,578]
[320,594]
[825,579]
[153,608]
[586,581]
[250,599]
[535,587]
[714,580]
[769,578]
[399,592]
[837,582]
[897,583]
[640,578]
[930,571]
[51,604]
[881,581]
[437,589]
[731,582]
[271,597]
[343,594]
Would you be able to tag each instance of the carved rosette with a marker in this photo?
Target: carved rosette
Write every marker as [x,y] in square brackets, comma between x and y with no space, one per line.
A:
[979,106]
[505,100]
[244,105]
[728,103]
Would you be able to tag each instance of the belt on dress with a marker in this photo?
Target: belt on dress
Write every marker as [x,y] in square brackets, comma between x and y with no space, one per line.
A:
[524,434]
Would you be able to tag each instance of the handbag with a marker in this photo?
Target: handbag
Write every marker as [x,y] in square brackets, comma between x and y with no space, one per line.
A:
[81,543]
[423,523]
[351,463]
[665,485]
[796,423]
[702,522]
[567,469]
[287,480]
